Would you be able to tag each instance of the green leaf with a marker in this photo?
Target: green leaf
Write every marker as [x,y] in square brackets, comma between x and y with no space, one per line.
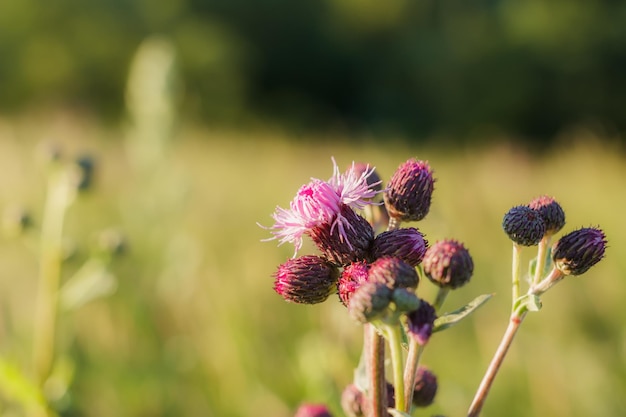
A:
[528,302]
[450,319]
[397,413]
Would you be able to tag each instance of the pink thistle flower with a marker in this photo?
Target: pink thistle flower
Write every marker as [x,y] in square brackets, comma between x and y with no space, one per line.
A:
[322,203]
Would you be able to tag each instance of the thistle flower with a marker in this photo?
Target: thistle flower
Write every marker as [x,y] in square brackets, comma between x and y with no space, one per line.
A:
[351,278]
[425,387]
[306,280]
[448,264]
[393,272]
[409,191]
[524,225]
[344,245]
[551,212]
[421,322]
[369,301]
[579,250]
[407,244]
[322,204]
[313,410]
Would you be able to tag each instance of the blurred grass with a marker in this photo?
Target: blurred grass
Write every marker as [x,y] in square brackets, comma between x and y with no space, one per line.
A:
[196,329]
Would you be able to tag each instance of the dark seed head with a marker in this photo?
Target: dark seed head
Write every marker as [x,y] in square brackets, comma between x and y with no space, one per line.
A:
[524,225]
[551,212]
[579,250]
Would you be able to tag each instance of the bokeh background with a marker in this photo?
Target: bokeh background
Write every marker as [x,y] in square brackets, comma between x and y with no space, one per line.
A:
[201,117]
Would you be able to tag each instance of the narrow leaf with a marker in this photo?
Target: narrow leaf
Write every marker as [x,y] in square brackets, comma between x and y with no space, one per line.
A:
[450,319]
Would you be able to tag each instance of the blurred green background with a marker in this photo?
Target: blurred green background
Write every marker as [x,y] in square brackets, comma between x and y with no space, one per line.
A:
[201,117]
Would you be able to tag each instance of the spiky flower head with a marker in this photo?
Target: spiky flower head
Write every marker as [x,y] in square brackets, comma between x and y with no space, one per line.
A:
[370,301]
[352,276]
[524,225]
[409,191]
[371,175]
[313,410]
[407,244]
[421,322]
[346,241]
[321,204]
[306,280]
[425,387]
[551,212]
[448,264]
[393,272]
[579,250]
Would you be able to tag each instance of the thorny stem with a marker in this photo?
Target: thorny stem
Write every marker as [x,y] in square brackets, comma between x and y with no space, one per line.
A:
[516,272]
[59,195]
[494,366]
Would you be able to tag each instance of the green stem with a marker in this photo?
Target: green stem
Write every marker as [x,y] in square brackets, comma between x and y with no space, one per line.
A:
[516,272]
[494,366]
[395,344]
[541,258]
[57,200]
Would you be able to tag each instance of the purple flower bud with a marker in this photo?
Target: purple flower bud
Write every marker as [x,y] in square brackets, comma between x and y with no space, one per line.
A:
[306,280]
[409,191]
[421,322]
[313,410]
[407,244]
[351,278]
[344,241]
[448,264]
[393,272]
[551,212]
[353,401]
[369,301]
[425,387]
[524,225]
[579,250]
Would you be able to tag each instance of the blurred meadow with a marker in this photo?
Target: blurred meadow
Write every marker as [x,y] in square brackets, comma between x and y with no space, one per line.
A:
[184,320]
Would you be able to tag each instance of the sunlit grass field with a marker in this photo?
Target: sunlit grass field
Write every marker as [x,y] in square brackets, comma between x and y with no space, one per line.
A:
[194,327]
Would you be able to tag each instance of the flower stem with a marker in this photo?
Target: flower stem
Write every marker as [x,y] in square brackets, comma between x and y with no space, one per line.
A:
[375,367]
[516,272]
[395,345]
[542,248]
[59,194]
[494,366]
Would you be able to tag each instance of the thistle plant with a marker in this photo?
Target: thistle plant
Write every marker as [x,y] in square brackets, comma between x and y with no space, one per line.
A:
[377,276]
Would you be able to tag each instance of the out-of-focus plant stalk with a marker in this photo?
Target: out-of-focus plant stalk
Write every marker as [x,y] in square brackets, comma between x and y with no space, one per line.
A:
[542,248]
[395,347]
[60,192]
[516,272]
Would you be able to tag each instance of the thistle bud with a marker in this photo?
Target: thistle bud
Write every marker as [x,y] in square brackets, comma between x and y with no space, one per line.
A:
[407,244]
[393,272]
[370,301]
[351,278]
[409,191]
[352,401]
[344,244]
[425,387]
[551,213]
[405,300]
[524,225]
[421,322]
[306,280]
[313,410]
[579,250]
[448,264]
